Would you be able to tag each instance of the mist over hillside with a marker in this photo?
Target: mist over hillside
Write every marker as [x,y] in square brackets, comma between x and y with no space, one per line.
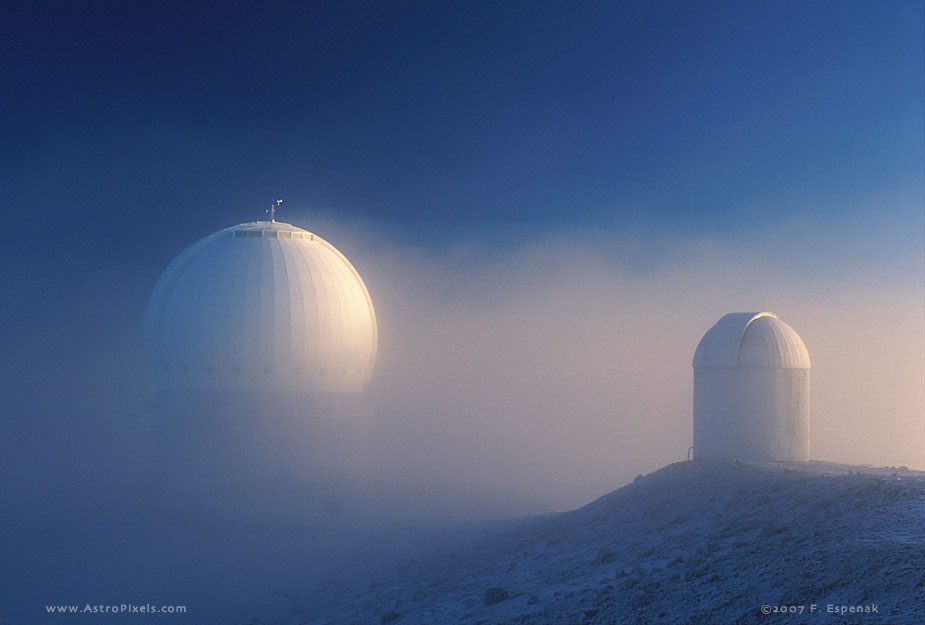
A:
[695,542]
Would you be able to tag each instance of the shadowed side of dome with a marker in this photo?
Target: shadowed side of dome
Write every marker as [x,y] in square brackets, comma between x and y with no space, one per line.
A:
[720,345]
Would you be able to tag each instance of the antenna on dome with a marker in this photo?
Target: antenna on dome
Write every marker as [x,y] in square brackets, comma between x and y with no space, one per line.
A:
[272,210]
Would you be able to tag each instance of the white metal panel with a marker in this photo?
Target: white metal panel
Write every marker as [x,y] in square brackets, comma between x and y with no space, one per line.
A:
[769,342]
[720,345]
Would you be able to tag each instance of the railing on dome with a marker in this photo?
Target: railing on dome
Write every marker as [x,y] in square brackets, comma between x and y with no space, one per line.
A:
[272,234]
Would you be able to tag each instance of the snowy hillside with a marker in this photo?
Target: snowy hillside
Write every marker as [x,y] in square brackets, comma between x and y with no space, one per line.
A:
[695,542]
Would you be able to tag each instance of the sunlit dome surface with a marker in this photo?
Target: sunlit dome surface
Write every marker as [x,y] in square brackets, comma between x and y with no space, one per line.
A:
[261,307]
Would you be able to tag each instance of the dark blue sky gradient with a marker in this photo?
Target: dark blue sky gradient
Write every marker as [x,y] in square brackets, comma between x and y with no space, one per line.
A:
[439,120]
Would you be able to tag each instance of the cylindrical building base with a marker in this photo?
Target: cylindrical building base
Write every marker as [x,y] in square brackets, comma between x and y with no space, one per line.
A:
[751,413]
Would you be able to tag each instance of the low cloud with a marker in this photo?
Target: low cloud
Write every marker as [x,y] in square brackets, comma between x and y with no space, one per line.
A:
[516,374]
[540,377]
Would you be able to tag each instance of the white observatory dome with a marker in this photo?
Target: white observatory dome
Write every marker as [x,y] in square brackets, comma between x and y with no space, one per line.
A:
[751,340]
[261,307]
[751,390]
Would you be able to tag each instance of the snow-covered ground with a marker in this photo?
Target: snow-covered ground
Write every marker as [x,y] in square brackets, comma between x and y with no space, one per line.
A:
[695,542]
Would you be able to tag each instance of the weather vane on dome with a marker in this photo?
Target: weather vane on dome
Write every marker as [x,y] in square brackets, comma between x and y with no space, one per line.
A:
[272,210]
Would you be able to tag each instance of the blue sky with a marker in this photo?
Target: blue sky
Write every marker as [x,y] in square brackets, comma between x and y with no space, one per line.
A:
[440,118]
[129,131]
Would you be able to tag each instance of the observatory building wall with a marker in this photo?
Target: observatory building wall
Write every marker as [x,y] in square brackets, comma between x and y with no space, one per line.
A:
[751,391]
[261,338]
[751,414]
[262,434]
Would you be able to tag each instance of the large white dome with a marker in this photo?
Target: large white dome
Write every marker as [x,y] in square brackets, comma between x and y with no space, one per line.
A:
[261,307]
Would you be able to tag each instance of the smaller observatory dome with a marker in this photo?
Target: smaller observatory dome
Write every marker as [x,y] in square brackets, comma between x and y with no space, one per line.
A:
[751,340]
[751,390]
[261,307]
